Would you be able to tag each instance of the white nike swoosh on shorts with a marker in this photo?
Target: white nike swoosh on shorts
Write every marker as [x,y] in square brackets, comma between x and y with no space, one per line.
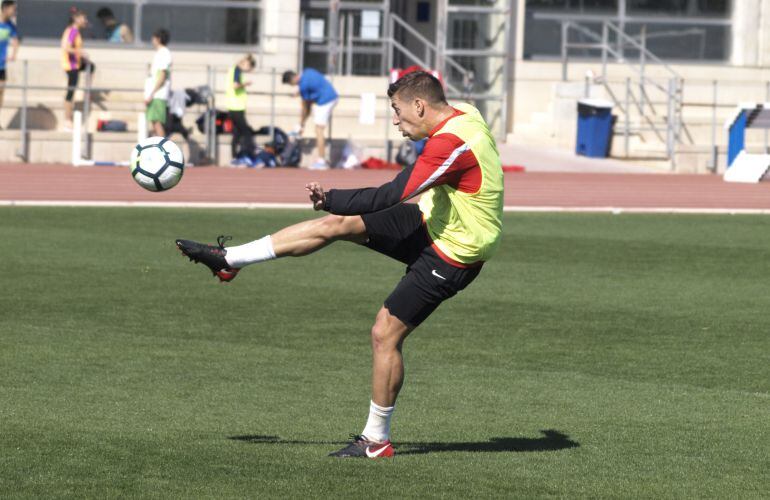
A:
[437,275]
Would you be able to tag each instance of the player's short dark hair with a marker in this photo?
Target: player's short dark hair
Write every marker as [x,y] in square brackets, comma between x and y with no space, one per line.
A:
[7,3]
[418,84]
[105,13]
[162,35]
[288,76]
[249,58]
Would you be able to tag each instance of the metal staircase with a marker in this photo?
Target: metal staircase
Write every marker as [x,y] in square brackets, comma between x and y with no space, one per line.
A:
[651,109]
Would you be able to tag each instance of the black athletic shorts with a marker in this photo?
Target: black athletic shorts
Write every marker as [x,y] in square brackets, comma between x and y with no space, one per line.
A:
[2,75]
[400,233]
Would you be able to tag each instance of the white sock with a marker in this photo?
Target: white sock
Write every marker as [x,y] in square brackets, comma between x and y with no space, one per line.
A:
[378,426]
[257,251]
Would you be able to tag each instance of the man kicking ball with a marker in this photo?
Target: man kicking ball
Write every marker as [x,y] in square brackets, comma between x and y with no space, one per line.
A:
[444,240]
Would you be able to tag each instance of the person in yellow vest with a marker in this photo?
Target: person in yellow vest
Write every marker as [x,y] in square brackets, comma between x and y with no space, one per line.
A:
[236,97]
[444,240]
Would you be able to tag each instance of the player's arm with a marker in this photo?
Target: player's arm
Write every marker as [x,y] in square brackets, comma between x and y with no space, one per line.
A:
[14,47]
[444,157]
[306,105]
[126,34]
[65,43]
[237,79]
[162,77]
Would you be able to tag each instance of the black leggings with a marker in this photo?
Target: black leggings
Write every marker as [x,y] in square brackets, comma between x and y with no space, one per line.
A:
[72,78]
[243,136]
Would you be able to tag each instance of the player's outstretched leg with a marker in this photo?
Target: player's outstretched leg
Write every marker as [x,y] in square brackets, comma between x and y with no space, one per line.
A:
[295,241]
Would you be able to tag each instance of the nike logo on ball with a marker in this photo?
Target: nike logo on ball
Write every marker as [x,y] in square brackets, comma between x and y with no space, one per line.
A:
[377,453]
[437,275]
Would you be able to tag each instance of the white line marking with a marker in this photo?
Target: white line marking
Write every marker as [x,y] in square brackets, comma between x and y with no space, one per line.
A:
[441,169]
[306,206]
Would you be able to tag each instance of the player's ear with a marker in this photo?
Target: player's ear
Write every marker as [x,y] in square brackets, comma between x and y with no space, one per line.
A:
[419,106]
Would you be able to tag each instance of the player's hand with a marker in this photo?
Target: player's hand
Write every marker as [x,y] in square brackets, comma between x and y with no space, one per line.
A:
[298,129]
[246,84]
[147,101]
[317,195]
[11,58]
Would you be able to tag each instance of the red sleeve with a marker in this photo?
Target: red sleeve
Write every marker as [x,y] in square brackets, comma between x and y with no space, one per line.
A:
[446,159]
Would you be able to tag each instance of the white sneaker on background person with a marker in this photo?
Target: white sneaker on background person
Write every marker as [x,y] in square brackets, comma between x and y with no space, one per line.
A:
[319,164]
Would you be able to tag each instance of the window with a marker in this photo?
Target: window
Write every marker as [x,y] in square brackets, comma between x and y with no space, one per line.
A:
[231,22]
[575,5]
[47,19]
[423,12]
[202,25]
[719,8]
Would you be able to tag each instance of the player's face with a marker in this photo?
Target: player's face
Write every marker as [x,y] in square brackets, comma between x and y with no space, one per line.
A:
[10,11]
[408,117]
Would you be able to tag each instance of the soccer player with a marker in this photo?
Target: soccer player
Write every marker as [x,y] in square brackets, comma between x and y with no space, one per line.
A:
[316,90]
[236,98]
[74,60]
[8,35]
[444,240]
[158,84]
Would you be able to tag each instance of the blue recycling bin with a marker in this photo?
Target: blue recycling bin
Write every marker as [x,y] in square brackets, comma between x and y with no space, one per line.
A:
[594,128]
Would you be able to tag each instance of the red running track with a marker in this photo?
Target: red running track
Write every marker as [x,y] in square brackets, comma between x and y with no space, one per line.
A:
[537,190]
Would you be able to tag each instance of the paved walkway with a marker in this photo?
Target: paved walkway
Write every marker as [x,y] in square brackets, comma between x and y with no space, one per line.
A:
[538,159]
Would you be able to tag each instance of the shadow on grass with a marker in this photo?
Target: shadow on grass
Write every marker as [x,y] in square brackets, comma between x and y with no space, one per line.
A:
[550,441]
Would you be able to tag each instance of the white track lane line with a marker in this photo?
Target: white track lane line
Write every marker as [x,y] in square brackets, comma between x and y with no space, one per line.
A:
[306,206]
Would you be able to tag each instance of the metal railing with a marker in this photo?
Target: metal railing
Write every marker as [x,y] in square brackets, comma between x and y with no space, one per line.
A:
[637,98]
[209,75]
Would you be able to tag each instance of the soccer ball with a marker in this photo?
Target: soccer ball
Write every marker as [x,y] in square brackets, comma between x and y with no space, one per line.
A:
[157,164]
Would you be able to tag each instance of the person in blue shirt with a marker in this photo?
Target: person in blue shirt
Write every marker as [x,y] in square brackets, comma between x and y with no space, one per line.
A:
[8,36]
[115,31]
[317,94]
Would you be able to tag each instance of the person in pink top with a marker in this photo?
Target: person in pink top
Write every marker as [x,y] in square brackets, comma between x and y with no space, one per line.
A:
[74,60]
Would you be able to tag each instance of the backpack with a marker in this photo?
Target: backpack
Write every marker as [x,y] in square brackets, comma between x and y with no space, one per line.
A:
[291,156]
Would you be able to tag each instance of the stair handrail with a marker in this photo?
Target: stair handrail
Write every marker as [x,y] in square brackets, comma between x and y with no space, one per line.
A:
[396,19]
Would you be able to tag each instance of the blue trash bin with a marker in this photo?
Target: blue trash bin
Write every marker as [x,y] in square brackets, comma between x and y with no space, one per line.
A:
[594,128]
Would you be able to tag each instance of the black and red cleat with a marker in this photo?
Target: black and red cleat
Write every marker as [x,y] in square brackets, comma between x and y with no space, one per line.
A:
[360,447]
[211,256]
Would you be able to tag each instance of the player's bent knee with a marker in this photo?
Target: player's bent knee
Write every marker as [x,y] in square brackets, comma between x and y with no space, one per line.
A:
[388,332]
[342,227]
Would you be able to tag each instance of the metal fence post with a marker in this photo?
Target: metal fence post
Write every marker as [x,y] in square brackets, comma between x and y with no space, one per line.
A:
[349,29]
[87,108]
[714,150]
[272,104]
[301,51]
[627,128]
[642,60]
[564,35]
[767,99]
[24,152]
[390,28]
[215,139]
[605,45]
[670,122]
[387,128]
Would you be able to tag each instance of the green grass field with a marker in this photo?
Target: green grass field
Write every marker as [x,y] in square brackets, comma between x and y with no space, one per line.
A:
[595,356]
